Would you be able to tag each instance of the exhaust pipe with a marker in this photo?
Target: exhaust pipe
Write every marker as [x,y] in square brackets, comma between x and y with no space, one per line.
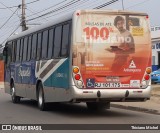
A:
[127,93]
[98,94]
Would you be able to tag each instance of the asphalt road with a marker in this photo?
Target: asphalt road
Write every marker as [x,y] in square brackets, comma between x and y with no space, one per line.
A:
[27,112]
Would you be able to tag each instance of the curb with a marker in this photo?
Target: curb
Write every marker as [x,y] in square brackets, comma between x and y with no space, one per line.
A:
[144,110]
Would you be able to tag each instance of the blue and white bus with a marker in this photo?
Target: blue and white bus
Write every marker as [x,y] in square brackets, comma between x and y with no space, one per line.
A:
[92,56]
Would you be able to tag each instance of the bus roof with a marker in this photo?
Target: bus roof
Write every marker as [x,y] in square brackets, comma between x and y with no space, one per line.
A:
[55,21]
[68,16]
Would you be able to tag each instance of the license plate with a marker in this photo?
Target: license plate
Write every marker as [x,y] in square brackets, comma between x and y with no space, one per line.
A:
[107,85]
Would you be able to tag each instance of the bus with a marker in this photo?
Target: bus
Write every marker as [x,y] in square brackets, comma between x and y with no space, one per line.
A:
[91,56]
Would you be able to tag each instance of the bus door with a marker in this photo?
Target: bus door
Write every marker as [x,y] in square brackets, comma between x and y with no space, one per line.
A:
[7,70]
[19,73]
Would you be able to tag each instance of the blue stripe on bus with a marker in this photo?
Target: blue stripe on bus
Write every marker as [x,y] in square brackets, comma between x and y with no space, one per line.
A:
[23,72]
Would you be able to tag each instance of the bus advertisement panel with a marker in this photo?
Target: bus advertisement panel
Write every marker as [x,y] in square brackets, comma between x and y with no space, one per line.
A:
[112,50]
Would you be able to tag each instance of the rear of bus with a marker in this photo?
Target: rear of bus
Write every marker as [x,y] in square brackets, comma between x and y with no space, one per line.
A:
[109,62]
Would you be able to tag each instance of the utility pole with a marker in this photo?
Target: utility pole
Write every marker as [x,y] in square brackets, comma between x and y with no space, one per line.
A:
[23,23]
[122,5]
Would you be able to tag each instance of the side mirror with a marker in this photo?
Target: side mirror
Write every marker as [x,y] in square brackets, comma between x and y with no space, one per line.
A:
[5,51]
[5,54]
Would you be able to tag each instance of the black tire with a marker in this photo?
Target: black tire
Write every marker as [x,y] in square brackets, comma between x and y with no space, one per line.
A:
[41,100]
[15,99]
[152,82]
[98,106]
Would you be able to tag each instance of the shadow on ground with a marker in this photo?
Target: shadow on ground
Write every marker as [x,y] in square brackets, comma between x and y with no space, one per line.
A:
[77,110]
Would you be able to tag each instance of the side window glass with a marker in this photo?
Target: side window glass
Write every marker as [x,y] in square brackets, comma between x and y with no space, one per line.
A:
[21,50]
[9,53]
[57,41]
[34,46]
[65,40]
[25,49]
[39,45]
[17,50]
[29,48]
[50,43]
[44,44]
[13,51]
[12,54]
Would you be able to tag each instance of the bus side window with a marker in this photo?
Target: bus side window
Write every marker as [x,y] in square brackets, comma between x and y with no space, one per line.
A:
[57,41]
[13,51]
[34,46]
[17,50]
[39,45]
[65,40]
[50,43]
[44,44]
[21,50]
[25,49]
[29,48]
[8,55]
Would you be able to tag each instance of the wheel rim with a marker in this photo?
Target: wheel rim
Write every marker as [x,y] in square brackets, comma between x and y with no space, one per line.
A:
[12,91]
[40,97]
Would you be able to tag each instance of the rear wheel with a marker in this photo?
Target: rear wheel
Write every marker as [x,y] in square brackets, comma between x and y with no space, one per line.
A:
[98,106]
[15,99]
[153,82]
[41,100]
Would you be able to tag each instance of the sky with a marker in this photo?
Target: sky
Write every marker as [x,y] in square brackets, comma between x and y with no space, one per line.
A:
[10,17]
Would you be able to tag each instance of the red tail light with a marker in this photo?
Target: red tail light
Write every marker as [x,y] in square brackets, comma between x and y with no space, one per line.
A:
[77,76]
[147,17]
[146,77]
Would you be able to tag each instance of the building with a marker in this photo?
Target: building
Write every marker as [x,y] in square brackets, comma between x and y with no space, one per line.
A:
[155,34]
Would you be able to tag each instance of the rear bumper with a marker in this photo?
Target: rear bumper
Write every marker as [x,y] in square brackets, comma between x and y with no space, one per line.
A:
[111,94]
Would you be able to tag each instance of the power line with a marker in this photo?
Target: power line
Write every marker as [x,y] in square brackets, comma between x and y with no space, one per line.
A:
[30,10]
[32,2]
[67,10]
[137,4]
[69,4]
[106,4]
[122,5]
[8,19]
[11,34]
[8,30]
[47,8]
[34,13]
[57,9]
[6,7]
[98,7]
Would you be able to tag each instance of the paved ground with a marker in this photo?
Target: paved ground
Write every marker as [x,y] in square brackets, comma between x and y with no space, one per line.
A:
[27,112]
[1,85]
[150,106]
